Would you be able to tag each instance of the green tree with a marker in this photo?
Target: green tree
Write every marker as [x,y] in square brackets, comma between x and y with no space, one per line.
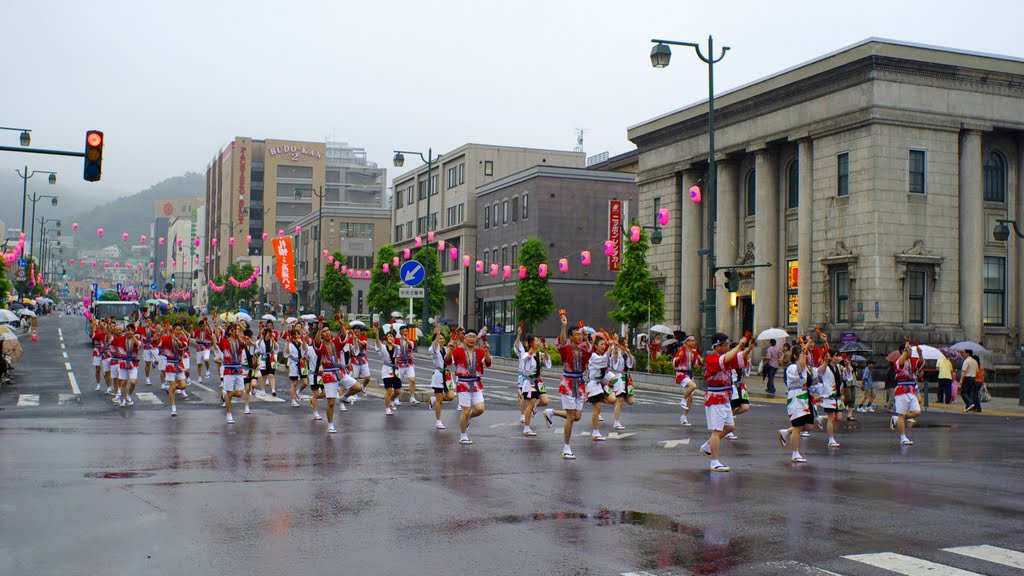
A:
[382,297]
[533,300]
[5,284]
[232,295]
[637,299]
[109,296]
[433,282]
[336,289]
[22,287]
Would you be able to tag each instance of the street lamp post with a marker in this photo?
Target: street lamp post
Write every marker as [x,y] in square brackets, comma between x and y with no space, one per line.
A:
[399,161]
[661,54]
[35,198]
[263,249]
[44,252]
[319,234]
[1001,233]
[24,184]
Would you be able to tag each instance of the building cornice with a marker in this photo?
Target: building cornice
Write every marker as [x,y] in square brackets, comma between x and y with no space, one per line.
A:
[563,172]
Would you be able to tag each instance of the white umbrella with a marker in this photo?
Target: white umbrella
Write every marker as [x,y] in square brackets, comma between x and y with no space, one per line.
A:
[270,317]
[308,317]
[26,312]
[968,345]
[773,334]
[243,316]
[661,328]
[929,352]
[291,321]
[357,324]
[7,316]
[668,341]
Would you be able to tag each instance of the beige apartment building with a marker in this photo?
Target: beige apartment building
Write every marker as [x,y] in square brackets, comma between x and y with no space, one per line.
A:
[871,179]
[450,190]
[256,186]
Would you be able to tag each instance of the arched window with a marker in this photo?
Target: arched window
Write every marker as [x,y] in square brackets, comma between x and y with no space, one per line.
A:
[995,178]
[794,185]
[751,194]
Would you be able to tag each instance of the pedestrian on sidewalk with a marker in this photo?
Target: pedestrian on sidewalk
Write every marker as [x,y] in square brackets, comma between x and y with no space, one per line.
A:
[867,385]
[772,358]
[945,367]
[969,388]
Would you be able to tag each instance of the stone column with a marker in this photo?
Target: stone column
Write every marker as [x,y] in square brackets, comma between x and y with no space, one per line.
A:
[690,273]
[1015,293]
[726,239]
[972,235]
[805,218]
[766,241]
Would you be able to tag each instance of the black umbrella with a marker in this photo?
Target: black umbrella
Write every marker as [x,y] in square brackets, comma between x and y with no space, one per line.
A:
[854,347]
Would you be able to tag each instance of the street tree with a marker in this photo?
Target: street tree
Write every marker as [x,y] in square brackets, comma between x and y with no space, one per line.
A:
[637,300]
[382,296]
[336,289]
[232,296]
[533,300]
[432,282]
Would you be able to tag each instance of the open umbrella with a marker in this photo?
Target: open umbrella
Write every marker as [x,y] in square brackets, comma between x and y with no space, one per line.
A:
[668,341]
[357,324]
[26,312]
[7,333]
[8,316]
[968,345]
[661,328]
[13,350]
[929,352]
[854,347]
[270,317]
[243,316]
[152,301]
[777,334]
[228,317]
[308,317]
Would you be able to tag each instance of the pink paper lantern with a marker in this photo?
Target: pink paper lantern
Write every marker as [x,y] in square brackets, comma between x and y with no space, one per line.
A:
[563,265]
[74,227]
[264,237]
[479,266]
[585,257]
[419,242]
[124,236]
[128,265]
[326,253]
[330,259]
[151,265]
[106,264]
[351,273]
[248,238]
[663,217]
[207,261]
[542,270]
[522,272]
[84,263]
[99,232]
[197,242]
[174,263]
[142,239]
[494,269]
[506,271]
[344,269]
[453,253]
[609,248]
[212,242]
[72,261]
[231,241]
[394,261]
[280,233]
[298,230]
[162,265]
[634,233]
[179,241]
[406,253]
[440,245]
[430,235]
[117,264]
[337,264]
[466,261]
[695,194]
[385,268]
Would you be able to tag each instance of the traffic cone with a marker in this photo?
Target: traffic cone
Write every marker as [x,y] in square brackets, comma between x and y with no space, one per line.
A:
[35,336]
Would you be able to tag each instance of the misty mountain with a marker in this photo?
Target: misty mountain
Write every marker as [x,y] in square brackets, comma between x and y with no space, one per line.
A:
[133,214]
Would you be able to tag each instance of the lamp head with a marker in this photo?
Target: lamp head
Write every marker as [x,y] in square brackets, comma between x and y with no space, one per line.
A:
[399,160]
[25,138]
[297,193]
[656,236]
[53,201]
[53,179]
[661,54]
[1001,232]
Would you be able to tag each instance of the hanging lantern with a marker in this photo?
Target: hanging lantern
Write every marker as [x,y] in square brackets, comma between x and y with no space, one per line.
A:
[453,253]
[479,266]
[72,261]
[344,269]
[330,259]
[142,239]
[280,233]
[298,230]
[466,261]
[337,264]
[264,237]
[406,253]
[248,238]
[231,241]
[197,242]
[634,233]
[522,272]
[419,242]
[506,271]
[609,248]
[494,269]
[585,257]
[440,245]
[385,268]
[542,270]
[563,265]
[663,217]
[124,237]
[99,232]
[430,235]
[74,227]
[695,194]
[394,261]
[212,242]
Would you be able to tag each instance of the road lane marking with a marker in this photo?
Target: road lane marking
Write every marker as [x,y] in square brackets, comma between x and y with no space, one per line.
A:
[204,387]
[1011,558]
[64,399]
[148,398]
[74,381]
[28,399]
[65,355]
[674,443]
[908,565]
[267,398]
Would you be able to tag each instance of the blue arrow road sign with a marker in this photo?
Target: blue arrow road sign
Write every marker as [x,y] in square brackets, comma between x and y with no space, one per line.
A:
[153,286]
[412,273]
[22,262]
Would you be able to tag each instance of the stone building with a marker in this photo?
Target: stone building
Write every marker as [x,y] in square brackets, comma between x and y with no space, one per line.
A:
[870,178]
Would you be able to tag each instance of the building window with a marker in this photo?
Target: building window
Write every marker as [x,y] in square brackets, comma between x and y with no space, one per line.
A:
[504,211]
[452,178]
[359,302]
[398,199]
[462,173]
[657,207]
[398,233]
[488,168]
[843,174]
[841,294]
[487,254]
[917,172]
[408,195]
[494,215]
[794,185]
[751,194]
[504,256]
[515,208]
[515,256]
[433,221]
[462,212]
[526,207]
[792,291]
[433,185]
[487,218]
[422,190]
[408,229]
[995,178]
[994,275]
[916,296]
[421,224]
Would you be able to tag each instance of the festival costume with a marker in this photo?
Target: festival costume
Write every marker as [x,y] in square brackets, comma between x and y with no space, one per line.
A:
[98,342]
[204,339]
[798,397]
[388,375]
[360,367]
[717,406]
[905,395]
[684,363]
[441,378]
[233,363]
[469,371]
[624,385]
[171,354]
[574,362]
[126,357]
[406,363]
[531,385]
[331,362]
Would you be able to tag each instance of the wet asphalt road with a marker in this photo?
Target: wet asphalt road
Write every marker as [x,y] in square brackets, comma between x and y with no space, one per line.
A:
[92,489]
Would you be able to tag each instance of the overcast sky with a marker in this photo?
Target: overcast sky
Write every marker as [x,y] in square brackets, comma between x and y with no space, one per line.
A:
[170,82]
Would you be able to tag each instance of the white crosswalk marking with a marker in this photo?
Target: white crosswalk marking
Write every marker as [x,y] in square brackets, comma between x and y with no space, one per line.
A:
[267,398]
[28,399]
[908,565]
[148,398]
[1011,558]
[64,398]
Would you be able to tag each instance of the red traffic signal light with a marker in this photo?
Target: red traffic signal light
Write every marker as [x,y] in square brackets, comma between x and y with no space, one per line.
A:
[93,156]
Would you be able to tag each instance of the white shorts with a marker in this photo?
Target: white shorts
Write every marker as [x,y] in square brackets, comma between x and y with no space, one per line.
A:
[234,382]
[128,373]
[572,402]
[906,403]
[387,372]
[719,416]
[161,362]
[470,399]
[149,355]
[174,376]
[293,370]
[360,371]
[407,372]
[331,389]
[203,355]
[105,363]
[186,362]
[595,388]
[97,361]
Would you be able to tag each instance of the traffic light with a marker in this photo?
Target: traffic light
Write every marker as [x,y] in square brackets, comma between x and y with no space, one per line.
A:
[93,155]
[172,278]
[63,272]
[732,281]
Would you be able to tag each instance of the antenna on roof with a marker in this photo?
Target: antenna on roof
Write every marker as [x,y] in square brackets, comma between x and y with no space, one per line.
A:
[579,139]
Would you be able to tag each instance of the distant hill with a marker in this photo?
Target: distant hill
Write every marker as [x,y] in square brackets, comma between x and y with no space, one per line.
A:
[132,214]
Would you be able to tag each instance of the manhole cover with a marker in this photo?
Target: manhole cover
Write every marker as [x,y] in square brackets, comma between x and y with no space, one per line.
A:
[118,474]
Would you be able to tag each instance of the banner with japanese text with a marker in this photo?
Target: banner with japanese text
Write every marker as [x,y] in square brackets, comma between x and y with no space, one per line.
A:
[285,263]
[615,234]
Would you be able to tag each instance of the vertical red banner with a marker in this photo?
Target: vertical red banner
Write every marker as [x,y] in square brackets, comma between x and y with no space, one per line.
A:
[285,263]
[615,234]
